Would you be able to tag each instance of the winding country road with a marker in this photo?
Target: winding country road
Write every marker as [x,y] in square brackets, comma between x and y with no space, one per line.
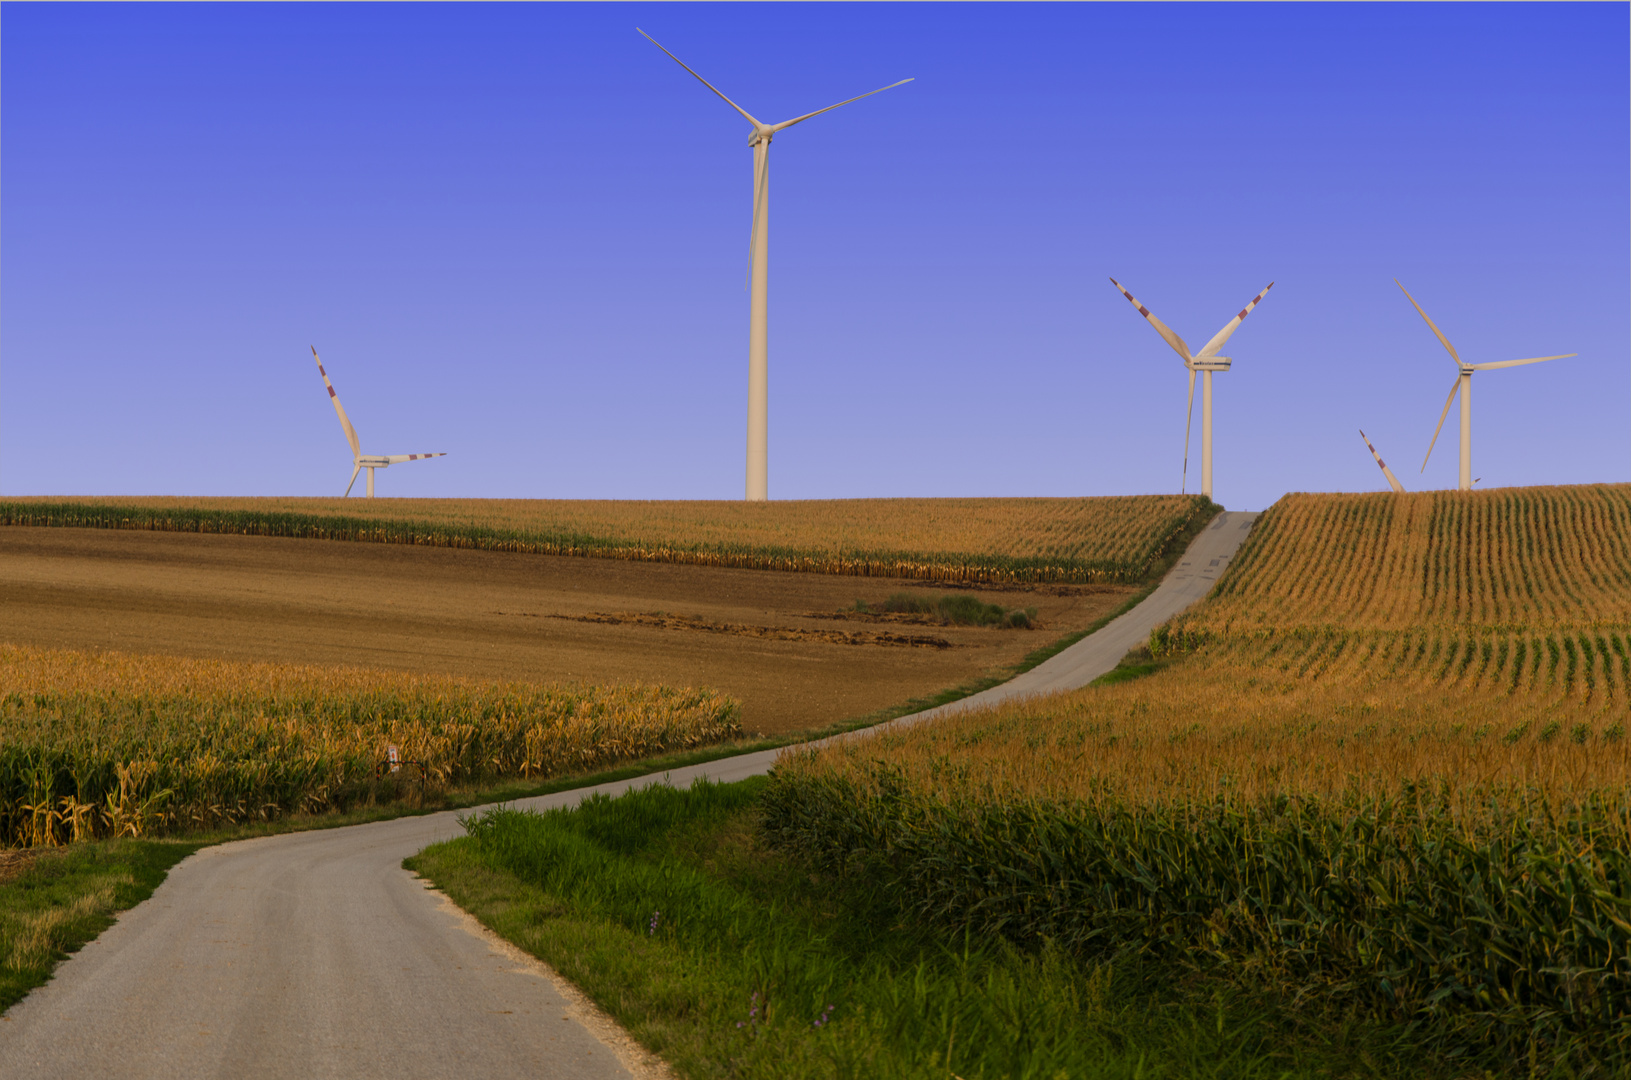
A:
[316,955]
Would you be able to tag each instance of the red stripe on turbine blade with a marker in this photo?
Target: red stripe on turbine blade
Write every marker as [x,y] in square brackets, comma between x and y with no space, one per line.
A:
[1144,311]
[331,392]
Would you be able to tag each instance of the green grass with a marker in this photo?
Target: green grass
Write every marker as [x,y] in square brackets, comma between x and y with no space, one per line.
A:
[722,956]
[1137,664]
[67,897]
[959,609]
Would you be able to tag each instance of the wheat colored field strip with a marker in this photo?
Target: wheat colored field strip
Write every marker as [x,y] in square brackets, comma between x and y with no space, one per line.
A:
[1116,539]
[100,744]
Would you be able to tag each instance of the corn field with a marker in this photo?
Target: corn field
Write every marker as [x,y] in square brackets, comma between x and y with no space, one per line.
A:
[1105,539]
[1391,771]
[1524,558]
[108,744]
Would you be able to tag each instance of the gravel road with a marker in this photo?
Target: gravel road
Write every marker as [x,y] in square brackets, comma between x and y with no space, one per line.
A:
[315,955]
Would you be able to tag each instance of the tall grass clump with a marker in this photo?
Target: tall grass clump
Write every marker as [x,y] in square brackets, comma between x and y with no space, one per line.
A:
[958,609]
[1112,539]
[108,744]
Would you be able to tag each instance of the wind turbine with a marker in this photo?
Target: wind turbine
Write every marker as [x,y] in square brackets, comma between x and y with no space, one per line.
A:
[360,460]
[758,479]
[1206,361]
[1463,386]
[1393,481]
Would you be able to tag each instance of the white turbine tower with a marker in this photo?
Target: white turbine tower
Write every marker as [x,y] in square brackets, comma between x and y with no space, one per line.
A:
[360,460]
[758,471]
[1393,481]
[1463,386]
[1206,361]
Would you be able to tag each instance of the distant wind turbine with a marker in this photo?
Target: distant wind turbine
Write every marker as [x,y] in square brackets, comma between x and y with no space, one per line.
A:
[360,460]
[1205,361]
[758,470]
[1393,481]
[1463,386]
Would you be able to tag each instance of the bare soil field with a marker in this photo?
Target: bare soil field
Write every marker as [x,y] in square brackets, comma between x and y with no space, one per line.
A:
[780,643]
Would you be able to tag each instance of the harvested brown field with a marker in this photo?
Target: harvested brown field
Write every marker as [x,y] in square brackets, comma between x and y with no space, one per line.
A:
[1119,539]
[483,614]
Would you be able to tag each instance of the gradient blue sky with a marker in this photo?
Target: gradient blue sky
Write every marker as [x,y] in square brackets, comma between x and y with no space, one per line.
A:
[519,233]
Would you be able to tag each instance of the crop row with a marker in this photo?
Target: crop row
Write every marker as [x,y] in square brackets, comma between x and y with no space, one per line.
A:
[1109,539]
[1528,557]
[96,744]
[1511,932]
[1433,827]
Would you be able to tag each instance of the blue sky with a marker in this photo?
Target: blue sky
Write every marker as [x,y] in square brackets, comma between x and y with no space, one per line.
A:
[518,233]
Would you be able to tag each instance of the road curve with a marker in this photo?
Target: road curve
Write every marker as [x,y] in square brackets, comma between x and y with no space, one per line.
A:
[315,955]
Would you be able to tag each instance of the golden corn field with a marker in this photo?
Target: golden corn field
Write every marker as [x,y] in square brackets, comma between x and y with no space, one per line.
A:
[108,744]
[1524,558]
[1104,539]
[1389,768]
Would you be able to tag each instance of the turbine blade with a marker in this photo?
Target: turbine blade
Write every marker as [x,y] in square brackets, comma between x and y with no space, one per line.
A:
[397,459]
[1211,348]
[1189,419]
[345,422]
[1436,330]
[1516,363]
[745,114]
[1161,328]
[1393,481]
[1454,390]
[348,487]
[785,124]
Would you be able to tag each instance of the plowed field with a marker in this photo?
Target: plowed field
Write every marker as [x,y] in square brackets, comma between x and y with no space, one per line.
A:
[769,639]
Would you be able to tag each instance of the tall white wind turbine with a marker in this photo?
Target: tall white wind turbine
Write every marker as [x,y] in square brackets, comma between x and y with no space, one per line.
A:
[1206,362]
[1393,481]
[360,460]
[758,471]
[1463,386]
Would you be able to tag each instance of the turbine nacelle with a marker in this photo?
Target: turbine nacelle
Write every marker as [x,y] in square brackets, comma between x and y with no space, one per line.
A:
[360,460]
[1462,387]
[1206,362]
[758,453]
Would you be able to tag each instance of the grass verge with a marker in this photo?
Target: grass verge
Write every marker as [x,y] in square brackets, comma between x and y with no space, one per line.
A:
[65,897]
[730,959]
